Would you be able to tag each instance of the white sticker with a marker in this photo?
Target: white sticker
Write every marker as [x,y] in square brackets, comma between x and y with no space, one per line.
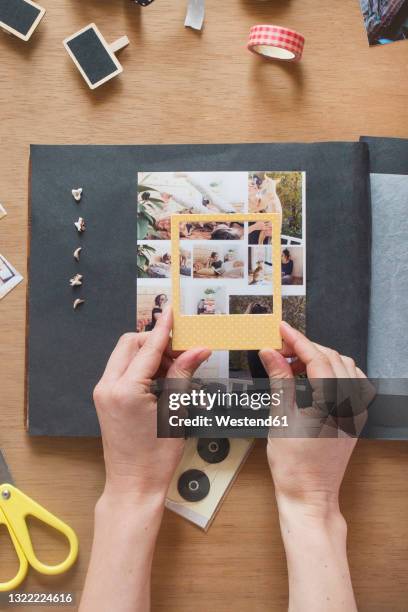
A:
[9,277]
[195,14]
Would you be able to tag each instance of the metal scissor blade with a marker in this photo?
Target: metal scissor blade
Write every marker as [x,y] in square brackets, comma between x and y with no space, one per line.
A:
[5,474]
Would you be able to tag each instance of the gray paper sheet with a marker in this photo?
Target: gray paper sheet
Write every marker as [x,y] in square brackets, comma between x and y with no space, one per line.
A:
[388,321]
[388,327]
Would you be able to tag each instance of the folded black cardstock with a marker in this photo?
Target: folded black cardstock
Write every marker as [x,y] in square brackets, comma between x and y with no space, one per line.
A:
[67,349]
[387,155]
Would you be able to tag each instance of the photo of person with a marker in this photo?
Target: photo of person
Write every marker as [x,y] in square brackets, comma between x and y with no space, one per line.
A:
[278,192]
[204,300]
[225,262]
[292,265]
[242,363]
[212,231]
[251,304]
[151,300]
[386,21]
[154,260]
[162,194]
[245,365]
[259,232]
[260,265]
[185,262]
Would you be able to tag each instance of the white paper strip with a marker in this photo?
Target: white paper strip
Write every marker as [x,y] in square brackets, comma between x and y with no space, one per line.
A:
[9,277]
[195,14]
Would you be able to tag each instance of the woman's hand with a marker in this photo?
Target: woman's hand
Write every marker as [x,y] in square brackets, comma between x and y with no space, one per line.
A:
[139,467]
[137,462]
[304,469]
[307,473]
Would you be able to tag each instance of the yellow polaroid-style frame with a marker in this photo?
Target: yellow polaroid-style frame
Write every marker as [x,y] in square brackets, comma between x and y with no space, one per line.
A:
[227,332]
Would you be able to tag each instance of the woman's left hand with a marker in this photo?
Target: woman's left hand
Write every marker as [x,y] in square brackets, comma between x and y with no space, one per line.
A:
[137,462]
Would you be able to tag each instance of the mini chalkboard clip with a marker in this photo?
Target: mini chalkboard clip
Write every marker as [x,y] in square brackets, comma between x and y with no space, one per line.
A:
[119,44]
[93,56]
[20,17]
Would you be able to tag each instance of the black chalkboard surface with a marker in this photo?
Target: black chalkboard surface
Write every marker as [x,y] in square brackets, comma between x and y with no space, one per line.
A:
[19,15]
[91,54]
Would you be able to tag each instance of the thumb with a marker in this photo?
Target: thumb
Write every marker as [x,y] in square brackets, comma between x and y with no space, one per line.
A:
[178,380]
[279,370]
[187,363]
[275,364]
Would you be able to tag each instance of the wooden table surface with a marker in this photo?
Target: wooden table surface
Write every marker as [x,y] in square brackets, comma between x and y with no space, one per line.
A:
[180,86]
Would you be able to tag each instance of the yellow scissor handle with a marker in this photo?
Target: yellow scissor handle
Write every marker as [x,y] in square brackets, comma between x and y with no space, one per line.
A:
[22,570]
[17,507]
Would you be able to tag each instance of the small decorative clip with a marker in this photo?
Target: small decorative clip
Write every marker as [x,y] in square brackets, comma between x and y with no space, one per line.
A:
[77,193]
[77,253]
[80,225]
[76,281]
[77,303]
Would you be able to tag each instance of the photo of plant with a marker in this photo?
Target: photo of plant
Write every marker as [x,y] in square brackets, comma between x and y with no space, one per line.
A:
[204,300]
[294,311]
[162,194]
[153,260]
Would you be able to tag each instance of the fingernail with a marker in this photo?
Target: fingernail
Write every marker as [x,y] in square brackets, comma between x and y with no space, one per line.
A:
[284,324]
[202,353]
[166,310]
[264,354]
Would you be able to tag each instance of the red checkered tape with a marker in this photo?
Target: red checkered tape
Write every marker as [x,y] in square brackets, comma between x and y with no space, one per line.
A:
[276,42]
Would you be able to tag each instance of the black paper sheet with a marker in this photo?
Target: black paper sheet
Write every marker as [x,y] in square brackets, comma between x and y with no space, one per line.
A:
[67,349]
[387,155]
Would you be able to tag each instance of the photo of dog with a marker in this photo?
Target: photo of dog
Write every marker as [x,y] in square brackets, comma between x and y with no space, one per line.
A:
[260,265]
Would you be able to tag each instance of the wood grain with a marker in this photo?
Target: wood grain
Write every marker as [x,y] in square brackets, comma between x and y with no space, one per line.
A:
[180,86]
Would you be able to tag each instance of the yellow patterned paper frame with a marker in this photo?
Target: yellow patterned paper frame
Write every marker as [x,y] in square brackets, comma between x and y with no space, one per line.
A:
[227,332]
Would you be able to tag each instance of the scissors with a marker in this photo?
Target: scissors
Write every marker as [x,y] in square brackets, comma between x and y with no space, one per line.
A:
[15,507]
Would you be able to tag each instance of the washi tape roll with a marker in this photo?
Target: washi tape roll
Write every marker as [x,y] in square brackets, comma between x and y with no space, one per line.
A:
[276,42]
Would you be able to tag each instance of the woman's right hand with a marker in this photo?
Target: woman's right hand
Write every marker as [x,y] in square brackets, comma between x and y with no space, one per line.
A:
[304,469]
[308,472]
